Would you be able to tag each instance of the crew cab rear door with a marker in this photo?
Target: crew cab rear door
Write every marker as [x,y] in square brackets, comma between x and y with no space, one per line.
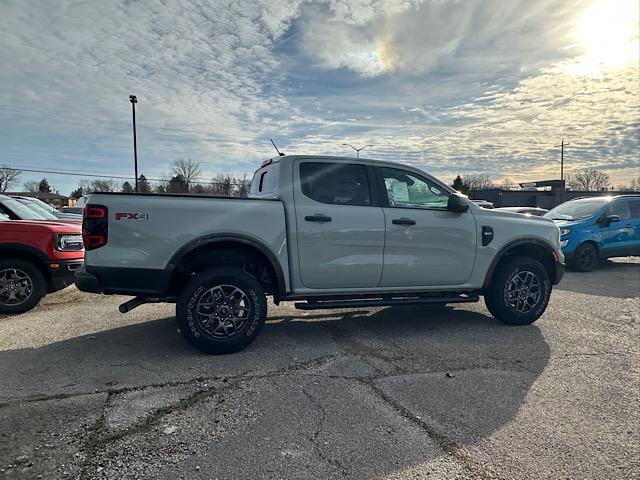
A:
[340,233]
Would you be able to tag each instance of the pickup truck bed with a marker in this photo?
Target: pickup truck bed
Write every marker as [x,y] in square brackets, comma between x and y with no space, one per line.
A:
[151,234]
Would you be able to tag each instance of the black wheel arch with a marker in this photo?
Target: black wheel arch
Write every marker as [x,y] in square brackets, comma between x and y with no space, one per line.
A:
[210,245]
[534,248]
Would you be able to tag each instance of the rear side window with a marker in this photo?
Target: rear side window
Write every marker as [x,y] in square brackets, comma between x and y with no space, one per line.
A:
[335,183]
[265,182]
[635,208]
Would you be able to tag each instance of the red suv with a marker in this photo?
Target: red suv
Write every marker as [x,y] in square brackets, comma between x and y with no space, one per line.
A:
[36,257]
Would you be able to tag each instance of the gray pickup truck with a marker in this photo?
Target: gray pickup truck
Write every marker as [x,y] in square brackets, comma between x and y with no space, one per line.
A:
[326,232]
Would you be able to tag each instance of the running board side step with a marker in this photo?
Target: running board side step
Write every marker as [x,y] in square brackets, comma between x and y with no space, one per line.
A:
[384,302]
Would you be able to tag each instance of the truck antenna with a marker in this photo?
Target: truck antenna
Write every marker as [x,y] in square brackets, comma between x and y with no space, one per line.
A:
[274,146]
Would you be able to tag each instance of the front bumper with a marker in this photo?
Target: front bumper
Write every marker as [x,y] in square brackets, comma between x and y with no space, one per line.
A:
[62,273]
[560,269]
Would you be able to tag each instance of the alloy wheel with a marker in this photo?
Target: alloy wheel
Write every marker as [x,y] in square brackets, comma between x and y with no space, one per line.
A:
[223,311]
[524,291]
[15,287]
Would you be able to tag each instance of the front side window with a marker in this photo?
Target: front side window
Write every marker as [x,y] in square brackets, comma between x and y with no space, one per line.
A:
[335,183]
[620,208]
[405,189]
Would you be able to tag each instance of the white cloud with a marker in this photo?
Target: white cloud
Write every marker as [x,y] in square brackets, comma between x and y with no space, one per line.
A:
[453,86]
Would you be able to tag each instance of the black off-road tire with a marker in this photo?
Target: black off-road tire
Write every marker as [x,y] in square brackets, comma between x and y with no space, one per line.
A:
[498,300]
[33,275]
[189,310]
[586,257]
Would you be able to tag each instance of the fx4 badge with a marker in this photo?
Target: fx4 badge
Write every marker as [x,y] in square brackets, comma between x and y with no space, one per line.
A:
[132,216]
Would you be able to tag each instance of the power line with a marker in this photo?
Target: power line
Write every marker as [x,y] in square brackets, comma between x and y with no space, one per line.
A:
[105,175]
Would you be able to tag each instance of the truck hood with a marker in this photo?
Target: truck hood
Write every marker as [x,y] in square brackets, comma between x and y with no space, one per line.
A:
[502,214]
[40,226]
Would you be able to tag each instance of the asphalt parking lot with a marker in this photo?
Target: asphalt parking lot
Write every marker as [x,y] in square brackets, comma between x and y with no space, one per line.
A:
[385,393]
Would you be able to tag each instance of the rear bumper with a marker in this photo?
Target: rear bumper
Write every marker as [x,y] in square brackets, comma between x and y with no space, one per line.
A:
[123,281]
[62,273]
[87,282]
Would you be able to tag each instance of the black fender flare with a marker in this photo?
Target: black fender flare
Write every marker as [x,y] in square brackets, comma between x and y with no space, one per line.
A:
[505,250]
[22,248]
[245,240]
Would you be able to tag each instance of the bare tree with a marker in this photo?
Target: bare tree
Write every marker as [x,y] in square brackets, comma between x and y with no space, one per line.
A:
[588,180]
[187,169]
[507,183]
[8,176]
[31,187]
[98,185]
[243,185]
[635,185]
[477,182]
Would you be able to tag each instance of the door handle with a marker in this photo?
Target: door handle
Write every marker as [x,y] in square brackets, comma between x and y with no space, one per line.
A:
[403,221]
[318,217]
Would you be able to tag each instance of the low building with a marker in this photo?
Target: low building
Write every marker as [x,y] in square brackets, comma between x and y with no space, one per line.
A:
[544,194]
[54,199]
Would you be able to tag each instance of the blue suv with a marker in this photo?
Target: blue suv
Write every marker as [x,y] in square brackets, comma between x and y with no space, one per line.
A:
[598,227]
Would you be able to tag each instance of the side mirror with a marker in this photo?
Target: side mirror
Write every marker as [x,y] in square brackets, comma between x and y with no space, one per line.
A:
[611,219]
[457,203]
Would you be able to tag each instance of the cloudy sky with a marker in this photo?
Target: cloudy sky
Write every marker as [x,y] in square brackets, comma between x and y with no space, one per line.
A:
[452,86]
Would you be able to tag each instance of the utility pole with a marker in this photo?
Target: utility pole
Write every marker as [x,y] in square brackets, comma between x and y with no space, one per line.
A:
[561,146]
[357,149]
[133,99]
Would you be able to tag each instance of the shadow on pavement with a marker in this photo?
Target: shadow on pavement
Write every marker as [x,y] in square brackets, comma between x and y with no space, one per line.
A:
[618,279]
[456,369]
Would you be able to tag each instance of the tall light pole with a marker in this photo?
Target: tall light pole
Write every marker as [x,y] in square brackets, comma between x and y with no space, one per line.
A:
[133,99]
[357,149]
[561,146]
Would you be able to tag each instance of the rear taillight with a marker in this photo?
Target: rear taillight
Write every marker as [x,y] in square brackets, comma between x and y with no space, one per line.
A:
[95,226]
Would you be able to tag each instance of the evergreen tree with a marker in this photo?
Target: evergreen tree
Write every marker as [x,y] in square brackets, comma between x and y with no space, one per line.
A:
[177,184]
[44,187]
[459,186]
[143,185]
[127,188]
[77,193]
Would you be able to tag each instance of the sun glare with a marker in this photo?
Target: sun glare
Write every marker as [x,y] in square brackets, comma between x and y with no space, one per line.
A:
[608,32]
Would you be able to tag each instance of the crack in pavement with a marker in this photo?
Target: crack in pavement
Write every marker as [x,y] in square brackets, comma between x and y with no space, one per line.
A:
[477,470]
[314,438]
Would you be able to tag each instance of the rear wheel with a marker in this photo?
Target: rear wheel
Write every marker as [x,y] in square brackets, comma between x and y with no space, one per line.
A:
[586,257]
[221,310]
[519,292]
[22,285]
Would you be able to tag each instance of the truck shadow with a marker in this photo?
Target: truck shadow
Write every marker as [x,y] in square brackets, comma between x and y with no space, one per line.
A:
[618,279]
[429,361]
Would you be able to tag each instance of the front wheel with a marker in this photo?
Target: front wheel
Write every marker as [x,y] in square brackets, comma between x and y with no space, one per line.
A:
[519,293]
[221,310]
[586,257]
[22,285]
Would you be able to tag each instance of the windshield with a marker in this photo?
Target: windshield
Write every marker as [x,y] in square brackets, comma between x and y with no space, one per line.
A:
[24,212]
[575,210]
[36,206]
[41,204]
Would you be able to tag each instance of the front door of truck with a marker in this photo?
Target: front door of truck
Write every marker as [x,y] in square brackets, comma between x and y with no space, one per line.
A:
[340,234]
[426,244]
